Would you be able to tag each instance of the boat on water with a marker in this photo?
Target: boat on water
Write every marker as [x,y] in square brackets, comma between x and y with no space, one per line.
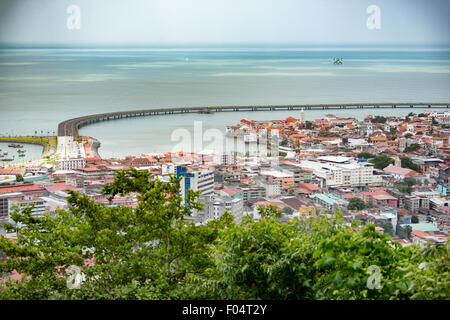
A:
[14,145]
[21,155]
[337,61]
[21,151]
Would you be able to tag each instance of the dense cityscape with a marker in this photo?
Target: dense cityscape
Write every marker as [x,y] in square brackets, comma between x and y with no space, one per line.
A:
[391,171]
[224,159]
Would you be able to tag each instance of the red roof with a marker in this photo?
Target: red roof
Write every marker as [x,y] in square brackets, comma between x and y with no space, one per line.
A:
[419,233]
[231,191]
[308,186]
[61,186]
[21,188]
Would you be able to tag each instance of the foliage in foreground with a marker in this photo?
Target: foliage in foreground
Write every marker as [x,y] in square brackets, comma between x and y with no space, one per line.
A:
[154,252]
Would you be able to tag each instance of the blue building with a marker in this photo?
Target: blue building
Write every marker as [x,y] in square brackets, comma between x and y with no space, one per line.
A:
[196,180]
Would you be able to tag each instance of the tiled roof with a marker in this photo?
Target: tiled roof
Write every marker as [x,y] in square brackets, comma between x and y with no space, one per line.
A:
[21,188]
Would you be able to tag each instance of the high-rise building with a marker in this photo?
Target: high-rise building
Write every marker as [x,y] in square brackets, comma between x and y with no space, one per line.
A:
[196,180]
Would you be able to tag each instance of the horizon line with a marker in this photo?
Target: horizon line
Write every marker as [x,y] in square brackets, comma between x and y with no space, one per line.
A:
[293,45]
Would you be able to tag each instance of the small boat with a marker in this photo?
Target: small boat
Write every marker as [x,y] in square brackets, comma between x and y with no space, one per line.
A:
[337,61]
[13,145]
[21,155]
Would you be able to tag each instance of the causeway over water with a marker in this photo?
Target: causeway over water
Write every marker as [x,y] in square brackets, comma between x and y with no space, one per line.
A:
[70,127]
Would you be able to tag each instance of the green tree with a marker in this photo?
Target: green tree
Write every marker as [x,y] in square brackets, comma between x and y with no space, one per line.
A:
[288,210]
[19,178]
[404,188]
[356,204]
[343,261]
[409,164]
[411,181]
[408,135]
[154,252]
[139,254]
[412,147]
[388,228]
[379,119]
[382,161]
[265,259]
[408,230]
[365,155]
[309,125]
[414,219]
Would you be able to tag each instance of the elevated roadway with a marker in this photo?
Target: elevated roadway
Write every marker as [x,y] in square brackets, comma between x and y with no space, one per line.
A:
[70,127]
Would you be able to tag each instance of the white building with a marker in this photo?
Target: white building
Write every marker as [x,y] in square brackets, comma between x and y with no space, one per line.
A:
[272,189]
[343,172]
[196,180]
[71,163]
[215,206]
[224,158]
[39,206]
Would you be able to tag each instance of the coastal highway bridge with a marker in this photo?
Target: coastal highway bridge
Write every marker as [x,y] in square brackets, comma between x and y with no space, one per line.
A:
[70,127]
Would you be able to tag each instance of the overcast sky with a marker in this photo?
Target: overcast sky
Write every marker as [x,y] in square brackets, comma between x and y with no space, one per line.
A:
[223,22]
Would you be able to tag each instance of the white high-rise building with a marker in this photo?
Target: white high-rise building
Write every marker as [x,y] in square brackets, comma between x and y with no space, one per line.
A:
[343,173]
[196,180]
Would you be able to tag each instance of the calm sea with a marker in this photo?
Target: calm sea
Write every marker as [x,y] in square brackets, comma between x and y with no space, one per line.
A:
[40,88]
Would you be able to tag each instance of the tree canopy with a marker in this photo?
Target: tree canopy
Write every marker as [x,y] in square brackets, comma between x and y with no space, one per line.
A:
[356,204]
[155,251]
[382,161]
[365,155]
[409,164]
[412,147]
[378,119]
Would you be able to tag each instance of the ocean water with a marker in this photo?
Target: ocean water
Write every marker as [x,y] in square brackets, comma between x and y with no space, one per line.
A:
[32,151]
[40,88]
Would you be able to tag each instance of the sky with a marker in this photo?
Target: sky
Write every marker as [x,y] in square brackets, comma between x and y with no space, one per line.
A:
[224,22]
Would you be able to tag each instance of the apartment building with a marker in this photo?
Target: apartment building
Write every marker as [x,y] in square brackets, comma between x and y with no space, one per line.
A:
[343,173]
[300,175]
[285,180]
[69,163]
[39,206]
[7,192]
[196,180]
[215,206]
[414,203]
